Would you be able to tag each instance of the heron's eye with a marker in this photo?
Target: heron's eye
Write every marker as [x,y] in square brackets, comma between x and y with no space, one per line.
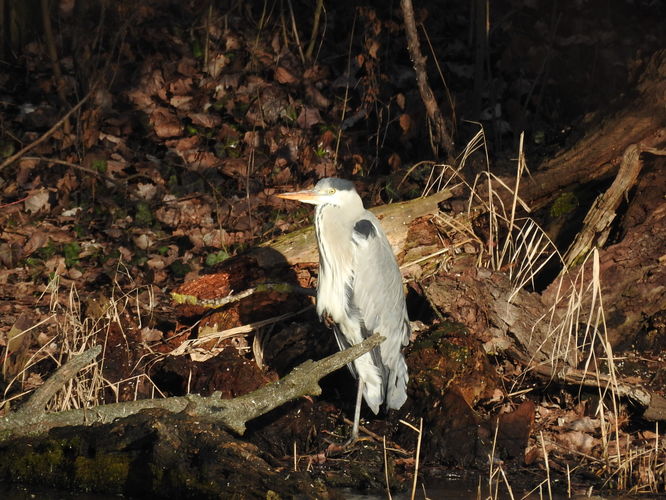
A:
[330,191]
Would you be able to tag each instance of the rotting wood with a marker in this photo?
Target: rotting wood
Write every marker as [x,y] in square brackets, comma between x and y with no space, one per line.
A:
[232,413]
[179,298]
[522,328]
[632,275]
[505,320]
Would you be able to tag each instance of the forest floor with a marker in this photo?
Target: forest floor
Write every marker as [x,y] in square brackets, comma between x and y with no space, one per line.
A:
[193,116]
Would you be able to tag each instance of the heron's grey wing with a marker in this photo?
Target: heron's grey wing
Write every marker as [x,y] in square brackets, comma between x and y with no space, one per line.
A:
[379,298]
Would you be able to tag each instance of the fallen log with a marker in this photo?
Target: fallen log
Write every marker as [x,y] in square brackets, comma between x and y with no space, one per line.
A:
[631,270]
[516,322]
[231,413]
[652,404]
[300,247]
[597,223]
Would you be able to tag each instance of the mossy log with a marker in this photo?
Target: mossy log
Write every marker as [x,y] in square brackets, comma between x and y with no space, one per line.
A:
[230,413]
[153,454]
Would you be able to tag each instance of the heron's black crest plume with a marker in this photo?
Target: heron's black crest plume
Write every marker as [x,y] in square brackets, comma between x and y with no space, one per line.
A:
[335,183]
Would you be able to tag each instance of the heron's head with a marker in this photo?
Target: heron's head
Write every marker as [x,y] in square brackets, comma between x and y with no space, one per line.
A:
[329,191]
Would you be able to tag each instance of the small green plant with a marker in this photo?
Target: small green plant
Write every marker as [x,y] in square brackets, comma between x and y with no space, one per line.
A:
[99,165]
[71,253]
[179,268]
[33,262]
[47,251]
[229,148]
[213,259]
[197,49]
[290,114]
[144,216]
[6,149]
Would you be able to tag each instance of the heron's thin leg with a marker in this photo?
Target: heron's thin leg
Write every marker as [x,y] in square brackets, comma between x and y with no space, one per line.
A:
[357,410]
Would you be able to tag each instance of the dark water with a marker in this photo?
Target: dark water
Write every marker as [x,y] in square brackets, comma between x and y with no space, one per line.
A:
[440,489]
[32,492]
[454,488]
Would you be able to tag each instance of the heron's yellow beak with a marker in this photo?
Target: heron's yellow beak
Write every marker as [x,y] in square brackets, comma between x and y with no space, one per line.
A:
[307,196]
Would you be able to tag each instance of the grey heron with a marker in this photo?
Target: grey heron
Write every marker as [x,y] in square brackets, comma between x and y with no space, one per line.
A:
[360,289]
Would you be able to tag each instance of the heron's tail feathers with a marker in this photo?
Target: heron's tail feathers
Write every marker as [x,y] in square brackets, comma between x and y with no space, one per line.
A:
[396,385]
[373,385]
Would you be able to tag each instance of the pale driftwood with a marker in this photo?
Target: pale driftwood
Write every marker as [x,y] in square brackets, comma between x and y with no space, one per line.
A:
[597,223]
[232,413]
[300,246]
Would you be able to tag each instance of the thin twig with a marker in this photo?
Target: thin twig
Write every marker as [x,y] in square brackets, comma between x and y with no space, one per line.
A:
[53,55]
[345,99]
[315,29]
[294,28]
[75,166]
[442,133]
[46,134]
[38,400]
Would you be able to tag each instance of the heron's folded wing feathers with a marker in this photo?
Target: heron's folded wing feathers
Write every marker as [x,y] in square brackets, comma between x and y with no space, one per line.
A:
[377,286]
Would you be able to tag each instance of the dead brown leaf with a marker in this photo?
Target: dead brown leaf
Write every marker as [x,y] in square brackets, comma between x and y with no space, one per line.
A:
[405,123]
[576,440]
[216,64]
[180,86]
[165,123]
[205,119]
[36,241]
[182,102]
[373,46]
[234,167]
[38,200]
[283,75]
[316,97]
[309,117]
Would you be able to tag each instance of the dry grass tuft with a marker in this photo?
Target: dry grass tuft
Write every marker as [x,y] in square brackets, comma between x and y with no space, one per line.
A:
[75,333]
